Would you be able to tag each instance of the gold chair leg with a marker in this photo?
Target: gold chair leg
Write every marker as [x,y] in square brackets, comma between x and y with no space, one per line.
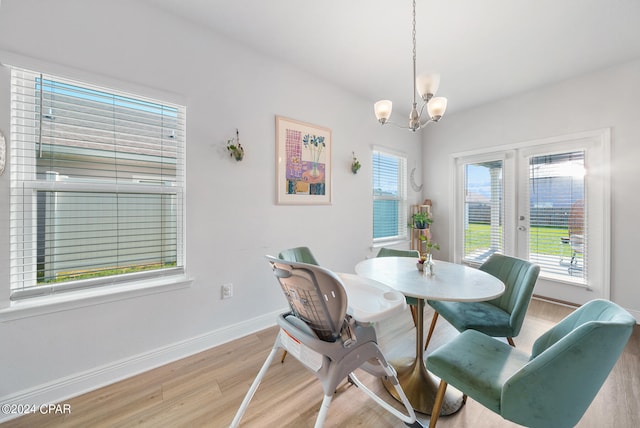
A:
[284,354]
[437,404]
[431,328]
[510,340]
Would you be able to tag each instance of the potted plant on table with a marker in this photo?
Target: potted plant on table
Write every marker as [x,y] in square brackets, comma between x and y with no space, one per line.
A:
[426,247]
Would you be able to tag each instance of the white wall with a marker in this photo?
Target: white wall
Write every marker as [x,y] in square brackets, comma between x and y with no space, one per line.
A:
[232,219]
[605,99]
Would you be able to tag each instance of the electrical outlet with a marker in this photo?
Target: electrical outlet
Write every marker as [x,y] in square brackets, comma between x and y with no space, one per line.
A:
[227,291]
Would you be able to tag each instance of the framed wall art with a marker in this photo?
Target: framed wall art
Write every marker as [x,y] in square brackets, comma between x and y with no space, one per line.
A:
[303,163]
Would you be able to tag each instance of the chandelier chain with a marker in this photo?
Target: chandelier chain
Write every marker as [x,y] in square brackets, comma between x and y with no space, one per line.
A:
[414,51]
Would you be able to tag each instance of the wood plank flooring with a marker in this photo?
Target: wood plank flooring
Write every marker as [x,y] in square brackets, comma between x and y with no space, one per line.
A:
[206,389]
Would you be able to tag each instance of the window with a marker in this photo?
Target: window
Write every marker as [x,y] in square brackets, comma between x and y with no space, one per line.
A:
[389,196]
[97,183]
[556,212]
[483,210]
[545,201]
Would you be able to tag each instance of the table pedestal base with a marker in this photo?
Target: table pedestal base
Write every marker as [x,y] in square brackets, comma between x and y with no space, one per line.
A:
[421,387]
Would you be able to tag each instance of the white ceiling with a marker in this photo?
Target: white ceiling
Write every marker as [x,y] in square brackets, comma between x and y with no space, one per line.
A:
[483,49]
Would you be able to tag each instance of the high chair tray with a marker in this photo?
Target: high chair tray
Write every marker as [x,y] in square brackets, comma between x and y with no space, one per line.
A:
[370,300]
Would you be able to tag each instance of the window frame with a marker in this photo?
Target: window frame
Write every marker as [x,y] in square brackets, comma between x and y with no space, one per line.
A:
[130,282]
[402,197]
[459,195]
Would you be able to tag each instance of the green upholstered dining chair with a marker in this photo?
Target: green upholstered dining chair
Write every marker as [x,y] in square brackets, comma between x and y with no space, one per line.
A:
[502,316]
[300,255]
[553,386]
[392,252]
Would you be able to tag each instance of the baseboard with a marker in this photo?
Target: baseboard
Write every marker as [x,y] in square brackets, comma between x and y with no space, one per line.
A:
[635,314]
[79,383]
[555,301]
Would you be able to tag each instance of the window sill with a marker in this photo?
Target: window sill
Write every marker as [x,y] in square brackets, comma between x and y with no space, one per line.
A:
[89,297]
[563,279]
[389,243]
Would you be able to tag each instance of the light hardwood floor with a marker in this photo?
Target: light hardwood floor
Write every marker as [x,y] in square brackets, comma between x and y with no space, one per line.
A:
[205,390]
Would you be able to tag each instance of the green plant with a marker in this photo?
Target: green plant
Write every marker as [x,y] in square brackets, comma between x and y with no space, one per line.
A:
[355,164]
[421,219]
[428,245]
[235,150]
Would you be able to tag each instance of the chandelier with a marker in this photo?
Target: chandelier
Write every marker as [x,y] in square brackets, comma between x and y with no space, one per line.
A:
[426,86]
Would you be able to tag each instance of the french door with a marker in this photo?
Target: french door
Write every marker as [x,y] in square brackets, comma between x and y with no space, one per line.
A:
[545,201]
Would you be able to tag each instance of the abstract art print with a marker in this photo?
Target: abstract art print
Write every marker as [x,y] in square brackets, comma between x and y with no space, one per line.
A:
[303,157]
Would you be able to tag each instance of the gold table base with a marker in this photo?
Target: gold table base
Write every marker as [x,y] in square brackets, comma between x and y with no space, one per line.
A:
[420,387]
[418,384]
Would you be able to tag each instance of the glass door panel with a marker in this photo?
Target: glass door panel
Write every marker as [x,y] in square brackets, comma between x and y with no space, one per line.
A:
[483,210]
[557,235]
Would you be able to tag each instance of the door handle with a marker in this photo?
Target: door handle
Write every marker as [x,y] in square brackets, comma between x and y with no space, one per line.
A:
[522,228]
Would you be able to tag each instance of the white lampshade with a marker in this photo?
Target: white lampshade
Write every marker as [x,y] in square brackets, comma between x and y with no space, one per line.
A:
[382,110]
[427,84]
[437,107]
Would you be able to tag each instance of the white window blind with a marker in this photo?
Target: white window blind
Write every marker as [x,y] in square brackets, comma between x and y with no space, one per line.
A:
[483,210]
[558,235]
[389,196]
[97,183]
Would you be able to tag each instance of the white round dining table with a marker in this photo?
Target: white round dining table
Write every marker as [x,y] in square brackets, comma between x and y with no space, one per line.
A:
[450,282]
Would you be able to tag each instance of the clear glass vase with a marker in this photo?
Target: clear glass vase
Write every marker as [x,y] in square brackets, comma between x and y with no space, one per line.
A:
[428,265]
